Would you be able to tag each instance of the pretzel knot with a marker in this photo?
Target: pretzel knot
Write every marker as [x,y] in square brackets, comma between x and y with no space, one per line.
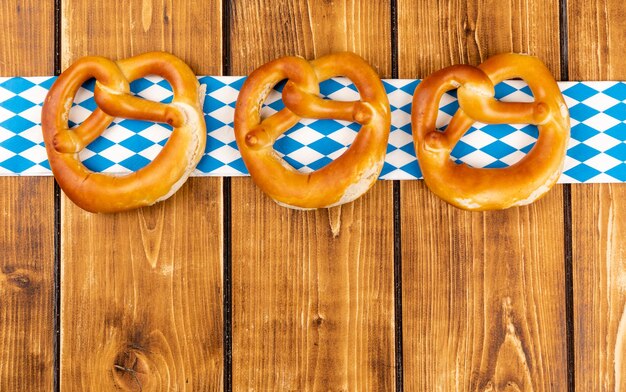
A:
[342,180]
[97,192]
[488,189]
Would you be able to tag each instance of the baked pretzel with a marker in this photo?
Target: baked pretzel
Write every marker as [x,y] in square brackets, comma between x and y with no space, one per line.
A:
[97,192]
[489,189]
[342,180]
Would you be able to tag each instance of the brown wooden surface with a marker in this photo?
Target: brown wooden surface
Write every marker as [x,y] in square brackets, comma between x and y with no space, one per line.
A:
[26,221]
[483,293]
[142,291]
[311,311]
[599,215]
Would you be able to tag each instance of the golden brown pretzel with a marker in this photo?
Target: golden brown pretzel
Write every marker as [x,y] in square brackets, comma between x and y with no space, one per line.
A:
[488,189]
[342,180]
[97,192]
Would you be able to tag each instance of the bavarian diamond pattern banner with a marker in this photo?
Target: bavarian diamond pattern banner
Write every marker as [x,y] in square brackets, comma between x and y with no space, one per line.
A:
[597,149]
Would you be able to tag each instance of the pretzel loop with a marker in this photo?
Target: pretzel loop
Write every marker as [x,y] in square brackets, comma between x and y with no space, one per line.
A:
[98,192]
[486,189]
[342,180]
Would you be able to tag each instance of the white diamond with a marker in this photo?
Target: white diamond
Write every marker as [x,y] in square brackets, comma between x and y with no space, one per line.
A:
[602,162]
[305,135]
[338,153]
[513,158]
[518,96]
[602,142]
[570,163]
[400,118]
[85,154]
[151,152]
[36,170]
[518,139]
[345,94]
[156,133]
[344,136]
[5,154]
[399,138]
[305,155]
[399,158]
[601,85]
[32,114]
[5,94]
[116,169]
[117,133]
[33,134]
[155,93]
[225,114]
[36,154]
[117,153]
[399,98]
[226,154]
[569,101]
[603,178]
[600,102]
[398,174]
[35,94]
[78,114]
[5,134]
[442,119]
[478,159]
[224,134]
[225,94]
[82,95]
[478,139]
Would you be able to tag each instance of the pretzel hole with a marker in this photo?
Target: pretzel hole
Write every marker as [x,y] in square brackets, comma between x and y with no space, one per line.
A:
[491,145]
[312,144]
[127,145]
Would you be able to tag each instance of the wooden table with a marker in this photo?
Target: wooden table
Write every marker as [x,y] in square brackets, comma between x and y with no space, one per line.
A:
[220,288]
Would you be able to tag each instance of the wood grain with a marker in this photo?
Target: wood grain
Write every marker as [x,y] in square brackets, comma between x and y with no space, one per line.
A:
[597,34]
[26,221]
[142,291]
[483,293]
[311,311]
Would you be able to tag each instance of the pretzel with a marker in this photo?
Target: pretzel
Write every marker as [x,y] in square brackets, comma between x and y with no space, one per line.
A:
[98,192]
[344,179]
[488,189]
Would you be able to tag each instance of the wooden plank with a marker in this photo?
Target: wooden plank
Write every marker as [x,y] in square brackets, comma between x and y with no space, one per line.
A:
[142,291]
[26,220]
[483,293]
[311,311]
[596,40]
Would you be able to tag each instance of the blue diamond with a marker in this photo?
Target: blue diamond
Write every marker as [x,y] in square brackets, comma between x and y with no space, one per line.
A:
[207,164]
[212,123]
[45,164]
[277,105]
[582,172]
[498,149]
[389,88]
[136,143]
[528,91]
[531,130]
[461,149]
[286,145]
[17,104]
[527,149]
[496,165]
[140,84]
[617,91]
[238,83]
[580,92]
[296,165]
[618,172]
[48,82]
[17,124]
[211,82]
[211,104]
[503,89]
[618,131]
[330,86]
[582,132]
[409,148]
[100,144]
[413,169]
[409,88]
[498,130]
[326,146]
[17,164]
[581,112]
[582,152]
[320,163]
[618,111]
[213,144]
[135,125]
[89,85]
[325,127]
[97,163]
[89,104]
[618,152]
[406,108]
[239,165]
[165,84]
[450,108]
[387,168]
[134,162]
[17,85]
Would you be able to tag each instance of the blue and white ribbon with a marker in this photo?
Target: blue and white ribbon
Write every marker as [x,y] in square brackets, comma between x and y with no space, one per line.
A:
[597,149]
